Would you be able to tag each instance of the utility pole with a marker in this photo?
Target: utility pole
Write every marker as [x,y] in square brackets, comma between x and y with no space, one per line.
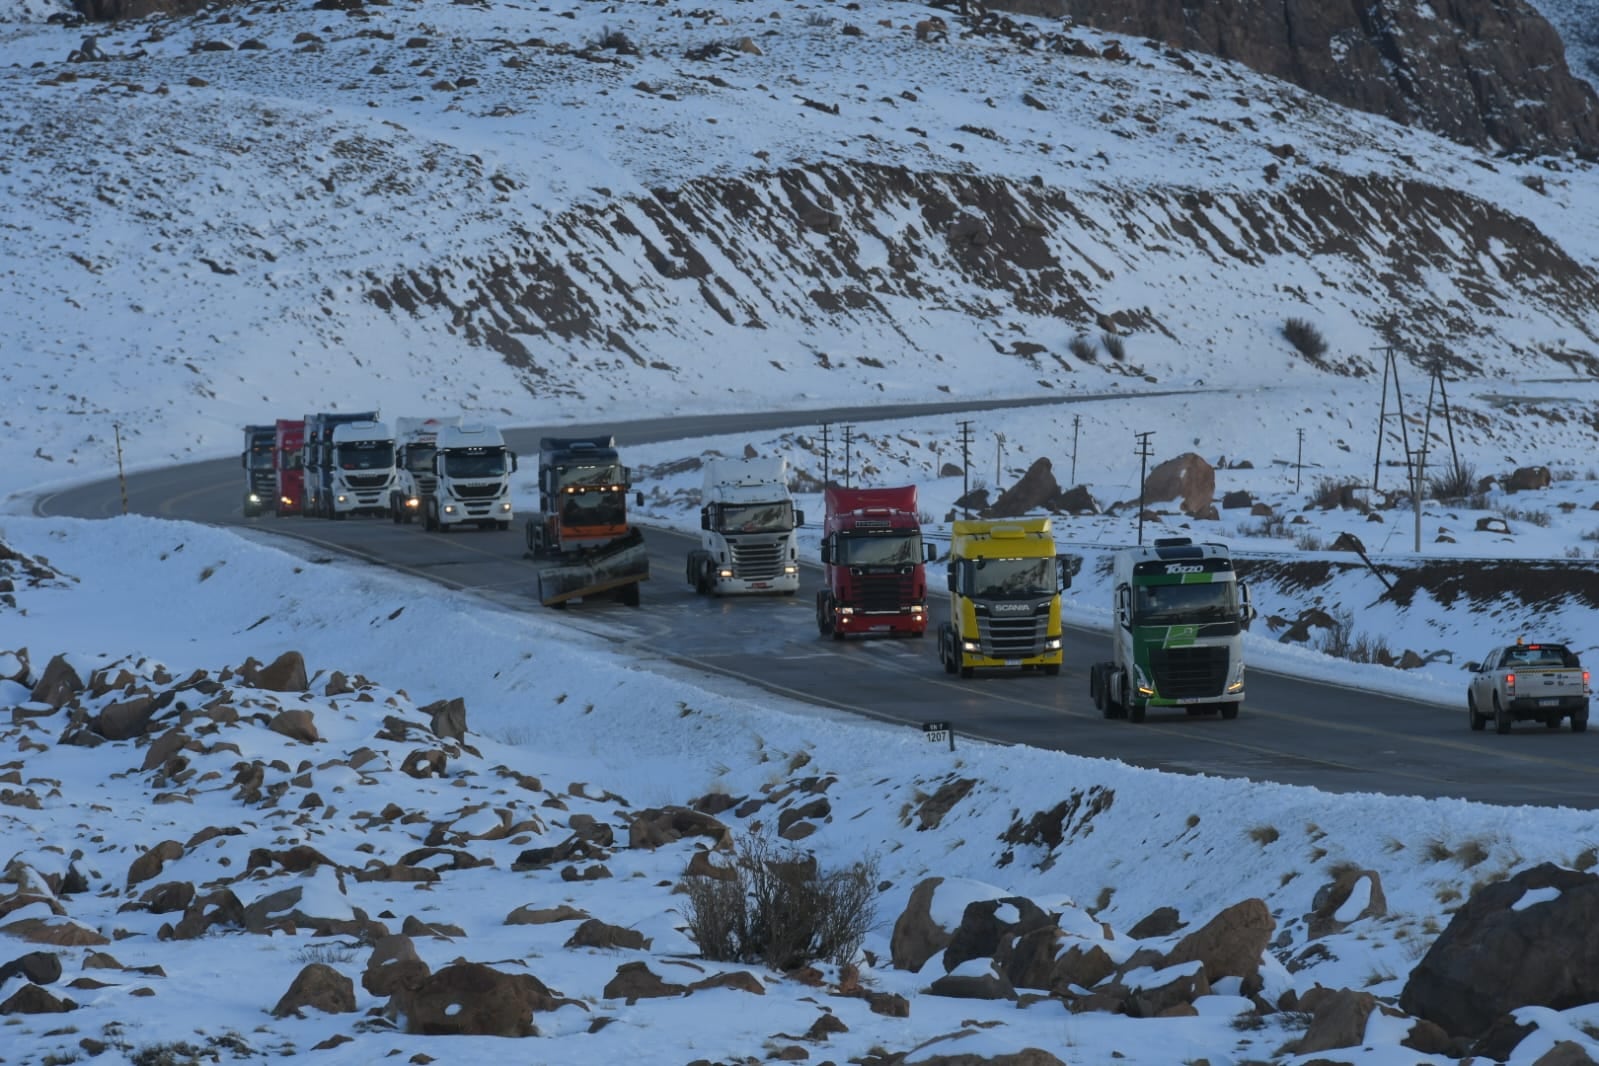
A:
[999,460]
[1077,421]
[122,478]
[966,464]
[1144,451]
[827,470]
[1299,463]
[1390,369]
[848,440]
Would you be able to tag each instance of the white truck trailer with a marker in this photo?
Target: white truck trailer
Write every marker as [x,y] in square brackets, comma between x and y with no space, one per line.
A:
[473,469]
[747,523]
[416,443]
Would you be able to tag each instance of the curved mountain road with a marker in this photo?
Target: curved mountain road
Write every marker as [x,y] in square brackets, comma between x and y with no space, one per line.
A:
[1291,731]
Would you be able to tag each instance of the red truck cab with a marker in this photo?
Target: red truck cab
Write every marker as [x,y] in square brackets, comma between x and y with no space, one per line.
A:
[288,458]
[872,564]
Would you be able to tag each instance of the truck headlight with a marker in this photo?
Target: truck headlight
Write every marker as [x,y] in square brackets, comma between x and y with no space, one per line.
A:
[971,645]
[342,498]
[917,608]
[449,508]
[413,503]
[1146,687]
[254,498]
[726,574]
[846,610]
[1236,685]
[790,568]
[1052,644]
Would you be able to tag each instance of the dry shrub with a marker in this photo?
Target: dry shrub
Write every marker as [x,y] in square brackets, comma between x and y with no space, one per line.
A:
[781,909]
[1306,339]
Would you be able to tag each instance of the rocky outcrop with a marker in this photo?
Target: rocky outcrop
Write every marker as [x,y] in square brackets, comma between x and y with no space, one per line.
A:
[1489,73]
[1531,940]
[1188,479]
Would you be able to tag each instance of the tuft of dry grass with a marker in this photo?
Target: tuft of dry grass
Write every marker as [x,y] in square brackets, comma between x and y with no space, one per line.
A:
[1264,834]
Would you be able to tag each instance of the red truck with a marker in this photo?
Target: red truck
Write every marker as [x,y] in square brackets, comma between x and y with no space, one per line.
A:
[288,459]
[872,556]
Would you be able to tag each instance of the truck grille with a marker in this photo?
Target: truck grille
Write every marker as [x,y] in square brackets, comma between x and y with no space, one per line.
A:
[477,492]
[756,561]
[1189,673]
[425,486]
[1012,638]
[264,483]
[366,481]
[883,593]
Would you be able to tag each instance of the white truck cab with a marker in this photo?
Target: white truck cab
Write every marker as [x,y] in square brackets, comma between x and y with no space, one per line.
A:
[473,467]
[362,470]
[747,524]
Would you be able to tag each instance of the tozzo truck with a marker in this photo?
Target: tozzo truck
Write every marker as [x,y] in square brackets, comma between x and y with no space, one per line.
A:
[288,455]
[472,470]
[260,479]
[318,468]
[1005,584]
[581,531]
[415,443]
[872,564]
[1177,632]
[747,523]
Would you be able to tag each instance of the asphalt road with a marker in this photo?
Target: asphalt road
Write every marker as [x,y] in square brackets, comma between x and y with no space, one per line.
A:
[1290,731]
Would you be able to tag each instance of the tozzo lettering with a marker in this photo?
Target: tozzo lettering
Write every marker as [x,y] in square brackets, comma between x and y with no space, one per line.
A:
[1184,568]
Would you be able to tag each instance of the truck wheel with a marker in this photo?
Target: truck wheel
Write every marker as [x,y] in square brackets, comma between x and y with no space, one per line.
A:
[339,516]
[502,526]
[1478,721]
[1096,687]
[1135,712]
[824,614]
[1579,721]
[396,512]
[944,657]
[1552,722]
[1502,717]
[628,595]
[1229,711]
[430,519]
[1052,669]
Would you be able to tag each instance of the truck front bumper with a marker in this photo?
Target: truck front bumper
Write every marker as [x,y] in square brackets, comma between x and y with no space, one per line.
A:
[906,620]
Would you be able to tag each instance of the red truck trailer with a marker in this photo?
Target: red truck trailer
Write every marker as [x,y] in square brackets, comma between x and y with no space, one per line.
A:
[872,564]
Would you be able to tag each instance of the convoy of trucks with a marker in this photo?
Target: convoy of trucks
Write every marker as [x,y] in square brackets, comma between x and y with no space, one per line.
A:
[260,479]
[873,576]
[582,526]
[748,542]
[1179,609]
[1178,616]
[1005,584]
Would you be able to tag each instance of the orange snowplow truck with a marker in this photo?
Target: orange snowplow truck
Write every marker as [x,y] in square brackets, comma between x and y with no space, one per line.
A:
[582,528]
[872,564]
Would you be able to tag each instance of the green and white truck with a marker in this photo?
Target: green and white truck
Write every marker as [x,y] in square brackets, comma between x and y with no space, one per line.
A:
[1177,632]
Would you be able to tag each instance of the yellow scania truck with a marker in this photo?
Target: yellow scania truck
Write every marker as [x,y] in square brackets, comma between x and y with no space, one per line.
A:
[1005,583]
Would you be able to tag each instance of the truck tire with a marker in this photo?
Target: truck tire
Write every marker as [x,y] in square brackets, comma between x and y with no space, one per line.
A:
[1096,687]
[503,525]
[824,614]
[430,518]
[1579,721]
[945,658]
[628,595]
[1502,717]
[1052,669]
[1229,711]
[1479,722]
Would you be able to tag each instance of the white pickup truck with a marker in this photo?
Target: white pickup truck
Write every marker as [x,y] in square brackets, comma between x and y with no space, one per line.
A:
[1523,681]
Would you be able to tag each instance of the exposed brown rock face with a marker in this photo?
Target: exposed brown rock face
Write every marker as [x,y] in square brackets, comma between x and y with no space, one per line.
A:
[1489,73]
[1500,952]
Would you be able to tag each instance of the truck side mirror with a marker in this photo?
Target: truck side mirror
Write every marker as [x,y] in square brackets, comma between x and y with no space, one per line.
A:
[513,462]
[1248,612]
[1474,668]
[826,552]
[705,518]
[931,550]
[799,518]
[949,577]
[638,499]
[244,460]
[1063,571]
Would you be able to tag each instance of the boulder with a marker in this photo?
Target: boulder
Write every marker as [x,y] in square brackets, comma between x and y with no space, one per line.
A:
[1330,911]
[150,863]
[286,673]
[471,999]
[985,924]
[1338,1020]
[1529,479]
[317,985]
[594,933]
[1031,493]
[393,964]
[1162,921]
[917,937]
[39,967]
[31,999]
[656,826]
[1188,479]
[126,719]
[296,725]
[1529,941]
[57,685]
[447,718]
[1230,944]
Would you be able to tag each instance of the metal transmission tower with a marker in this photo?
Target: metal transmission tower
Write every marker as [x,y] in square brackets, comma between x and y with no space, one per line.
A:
[827,469]
[1436,387]
[966,465]
[848,440]
[1145,449]
[1390,370]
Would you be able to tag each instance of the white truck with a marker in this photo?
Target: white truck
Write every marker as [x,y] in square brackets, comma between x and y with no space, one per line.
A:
[1177,632]
[747,523]
[473,469]
[416,442]
[361,473]
[1536,681]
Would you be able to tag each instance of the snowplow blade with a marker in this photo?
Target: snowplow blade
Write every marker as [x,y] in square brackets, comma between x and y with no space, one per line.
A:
[622,562]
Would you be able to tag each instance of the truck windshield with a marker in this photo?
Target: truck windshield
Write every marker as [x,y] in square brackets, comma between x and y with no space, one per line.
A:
[1184,604]
[1013,578]
[899,548]
[757,517]
[589,474]
[260,457]
[474,462]
[419,458]
[289,459]
[366,455]
[593,509]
